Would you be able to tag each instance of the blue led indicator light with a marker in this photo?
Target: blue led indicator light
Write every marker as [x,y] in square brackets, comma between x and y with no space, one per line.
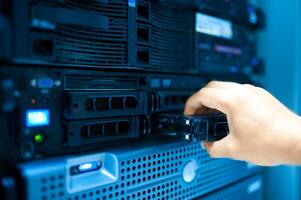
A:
[132,3]
[45,83]
[43,24]
[36,118]
[87,166]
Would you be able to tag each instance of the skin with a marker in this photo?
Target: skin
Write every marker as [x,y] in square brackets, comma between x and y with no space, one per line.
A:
[262,130]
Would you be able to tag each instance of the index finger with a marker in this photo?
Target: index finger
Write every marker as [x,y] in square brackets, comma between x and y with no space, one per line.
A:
[212,98]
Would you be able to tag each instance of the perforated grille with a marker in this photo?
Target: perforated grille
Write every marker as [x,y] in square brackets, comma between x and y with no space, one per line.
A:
[91,46]
[112,192]
[52,187]
[155,166]
[172,35]
[157,173]
[166,190]
[168,165]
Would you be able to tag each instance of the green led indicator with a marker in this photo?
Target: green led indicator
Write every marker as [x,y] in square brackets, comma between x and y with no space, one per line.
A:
[38,138]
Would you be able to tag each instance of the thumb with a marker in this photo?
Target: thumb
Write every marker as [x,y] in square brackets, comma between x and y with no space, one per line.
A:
[220,149]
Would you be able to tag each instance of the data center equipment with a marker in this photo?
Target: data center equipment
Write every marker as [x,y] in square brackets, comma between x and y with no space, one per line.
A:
[183,36]
[169,169]
[92,96]
[249,189]
[200,128]
[51,112]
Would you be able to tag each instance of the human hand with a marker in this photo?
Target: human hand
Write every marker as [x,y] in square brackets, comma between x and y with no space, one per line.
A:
[262,130]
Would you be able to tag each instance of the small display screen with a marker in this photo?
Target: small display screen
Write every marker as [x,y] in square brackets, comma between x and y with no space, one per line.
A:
[213,26]
[36,118]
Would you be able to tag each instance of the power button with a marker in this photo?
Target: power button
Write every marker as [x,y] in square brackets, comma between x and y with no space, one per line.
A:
[190,171]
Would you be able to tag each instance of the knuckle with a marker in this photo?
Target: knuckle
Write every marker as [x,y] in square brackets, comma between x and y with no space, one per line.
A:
[211,83]
[249,87]
[199,94]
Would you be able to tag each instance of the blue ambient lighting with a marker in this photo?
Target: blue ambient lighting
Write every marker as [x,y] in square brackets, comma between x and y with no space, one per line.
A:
[37,118]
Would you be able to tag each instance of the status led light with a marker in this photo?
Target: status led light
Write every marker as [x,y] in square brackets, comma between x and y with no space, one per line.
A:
[36,118]
[85,166]
[89,166]
[38,138]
